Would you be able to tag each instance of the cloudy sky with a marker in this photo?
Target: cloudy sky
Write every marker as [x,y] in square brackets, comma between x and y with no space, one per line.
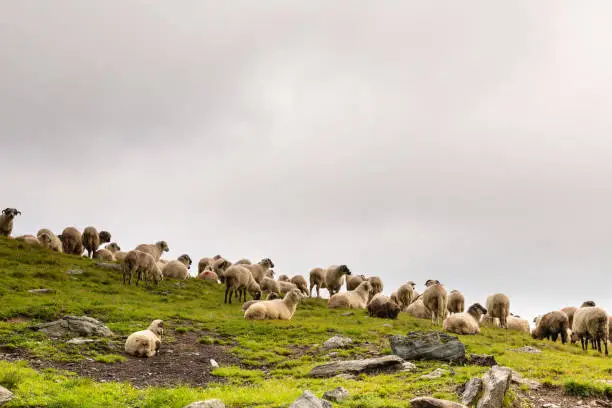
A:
[469,142]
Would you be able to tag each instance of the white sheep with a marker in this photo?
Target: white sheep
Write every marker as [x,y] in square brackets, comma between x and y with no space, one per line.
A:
[465,322]
[455,302]
[417,309]
[146,343]
[28,239]
[353,281]
[49,240]
[354,299]
[591,323]
[239,280]
[269,285]
[178,269]
[404,295]
[334,278]
[6,221]
[92,239]
[261,269]
[283,278]
[155,250]
[278,309]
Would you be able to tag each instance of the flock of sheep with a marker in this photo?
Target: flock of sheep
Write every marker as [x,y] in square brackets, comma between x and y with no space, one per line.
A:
[589,323]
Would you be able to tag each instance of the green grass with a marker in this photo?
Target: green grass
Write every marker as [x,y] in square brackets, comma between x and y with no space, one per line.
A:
[275,356]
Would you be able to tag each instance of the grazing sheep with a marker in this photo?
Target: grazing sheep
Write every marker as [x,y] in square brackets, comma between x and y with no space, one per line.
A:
[261,269]
[145,343]
[6,221]
[104,254]
[155,250]
[143,264]
[278,309]
[465,322]
[434,299]
[178,269]
[353,281]
[271,296]
[219,267]
[569,311]
[456,302]
[377,285]
[383,307]
[395,299]
[405,294]
[334,278]
[355,299]
[208,275]
[49,240]
[72,241]
[286,287]
[498,306]
[92,239]
[284,278]
[591,323]
[317,280]
[239,280]
[552,325]
[300,282]
[243,261]
[269,285]
[28,239]
[417,309]
[518,324]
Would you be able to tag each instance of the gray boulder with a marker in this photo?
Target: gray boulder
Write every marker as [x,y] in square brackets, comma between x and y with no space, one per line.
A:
[437,373]
[368,365]
[429,402]
[484,360]
[470,391]
[79,341]
[75,326]
[75,272]
[337,342]
[211,403]
[517,378]
[338,394]
[309,400]
[41,291]
[428,346]
[109,266]
[495,383]
[5,395]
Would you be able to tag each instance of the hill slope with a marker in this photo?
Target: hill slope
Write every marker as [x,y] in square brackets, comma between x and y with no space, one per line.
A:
[263,364]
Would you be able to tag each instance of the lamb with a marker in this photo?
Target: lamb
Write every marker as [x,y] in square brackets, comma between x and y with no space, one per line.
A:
[465,322]
[456,302]
[355,299]
[239,280]
[353,281]
[281,309]
[143,264]
[300,282]
[591,323]
[178,269]
[261,269]
[284,278]
[434,299]
[569,311]
[383,307]
[155,250]
[92,239]
[498,306]
[405,294]
[518,324]
[271,296]
[49,240]
[317,280]
[6,221]
[113,247]
[417,309]
[72,241]
[334,278]
[146,343]
[552,325]
[28,239]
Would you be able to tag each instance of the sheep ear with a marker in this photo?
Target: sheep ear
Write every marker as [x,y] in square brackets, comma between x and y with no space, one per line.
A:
[6,211]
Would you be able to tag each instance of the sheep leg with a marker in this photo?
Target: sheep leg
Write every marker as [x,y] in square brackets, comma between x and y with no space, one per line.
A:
[563,336]
[605,346]
[554,337]
[226,290]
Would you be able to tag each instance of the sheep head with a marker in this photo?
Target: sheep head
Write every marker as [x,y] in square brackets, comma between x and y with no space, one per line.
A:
[588,303]
[105,237]
[185,259]
[344,269]
[11,212]
[294,296]
[163,245]
[411,283]
[477,310]
[217,257]
[431,282]
[157,327]
[113,247]
[44,238]
[267,262]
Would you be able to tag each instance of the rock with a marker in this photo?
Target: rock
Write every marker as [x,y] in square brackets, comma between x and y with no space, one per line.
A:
[484,360]
[429,402]
[309,400]
[526,349]
[517,378]
[75,326]
[408,366]
[213,363]
[603,403]
[41,291]
[108,265]
[428,346]
[211,403]
[348,314]
[338,394]
[346,376]
[337,342]
[495,383]
[437,373]
[550,405]
[470,391]
[387,325]
[75,272]
[5,395]
[79,340]
[333,354]
[368,365]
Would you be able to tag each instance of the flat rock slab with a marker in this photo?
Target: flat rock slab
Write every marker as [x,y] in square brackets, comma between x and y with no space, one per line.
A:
[428,346]
[309,400]
[437,373]
[429,402]
[41,291]
[495,383]
[108,265]
[75,272]
[5,395]
[368,365]
[526,349]
[75,326]
[211,403]
[79,340]
[484,360]
[337,342]
[338,394]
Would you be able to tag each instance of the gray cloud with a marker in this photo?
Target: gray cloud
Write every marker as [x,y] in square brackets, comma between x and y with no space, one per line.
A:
[467,143]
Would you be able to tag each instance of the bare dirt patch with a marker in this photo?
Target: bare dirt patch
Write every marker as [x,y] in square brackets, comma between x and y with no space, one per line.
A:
[555,395]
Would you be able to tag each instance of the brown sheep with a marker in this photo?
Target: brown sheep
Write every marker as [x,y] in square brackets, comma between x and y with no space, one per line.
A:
[498,305]
[456,302]
[72,241]
[383,307]
[317,280]
[353,281]
[300,282]
[552,325]
[434,299]
[334,278]
[261,269]
[569,311]
[91,240]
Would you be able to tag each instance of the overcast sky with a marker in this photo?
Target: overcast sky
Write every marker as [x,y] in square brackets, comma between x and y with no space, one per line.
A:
[469,142]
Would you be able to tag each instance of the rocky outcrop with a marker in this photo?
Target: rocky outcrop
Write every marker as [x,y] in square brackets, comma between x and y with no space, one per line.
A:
[429,402]
[471,389]
[495,383]
[5,395]
[309,400]
[337,342]
[368,366]
[211,403]
[428,346]
[338,394]
[75,326]
[484,360]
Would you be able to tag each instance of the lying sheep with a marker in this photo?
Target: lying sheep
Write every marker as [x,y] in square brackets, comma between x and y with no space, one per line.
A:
[434,299]
[377,285]
[317,280]
[92,239]
[300,282]
[551,326]
[465,322]
[261,269]
[72,241]
[383,307]
[6,221]
[569,311]
[155,250]
[591,323]
[405,294]
[456,301]
[284,278]
[28,239]
[334,278]
[498,306]
[146,343]
[354,299]
[271,296]
[209,276]
[49,240]
[518,324]
[239,280]
[278,309]
[204,263]
[353,281]
[143,264]
[178,269]
[417,309]
[104,254]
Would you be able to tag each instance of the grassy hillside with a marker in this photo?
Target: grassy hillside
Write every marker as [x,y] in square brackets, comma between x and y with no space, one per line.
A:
[263,364]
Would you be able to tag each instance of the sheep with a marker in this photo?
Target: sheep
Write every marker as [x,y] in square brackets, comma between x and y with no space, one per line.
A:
[334,278]
[300,282]
[404,294]
[518,324]
[353,281]
[120,256]
[72,241]
[49,240]
[219,266]
[377,285]
[28,239]
[243,261]
[383,307]
[104,254]
[569,311]
[395,299]
[284,278]
[92,239]
[456,302]
[498,306]
[239,280]
[591,323]
[144,264]
[204,263]
[208,275]
[465,322]
[317,280]
[278,309]
[434,299]
[178,269]
[552,325]
[261,269]
[146,343]
[6,221]
[355,299]
[113,247]
[271,296]
[269,285]
[588,303]
[417,309]
[286,287]
[155,250]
